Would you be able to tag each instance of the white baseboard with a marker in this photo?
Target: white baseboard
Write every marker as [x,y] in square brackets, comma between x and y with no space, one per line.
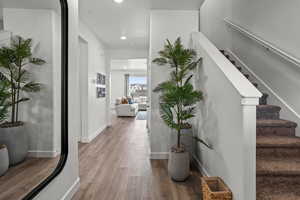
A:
[200,166]
[159,155]
[72,190]
[91,137]
[43,154]
[265,85]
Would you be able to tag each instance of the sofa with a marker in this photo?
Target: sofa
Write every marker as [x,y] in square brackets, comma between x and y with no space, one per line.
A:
[142,103]
[142,106]
[127,110]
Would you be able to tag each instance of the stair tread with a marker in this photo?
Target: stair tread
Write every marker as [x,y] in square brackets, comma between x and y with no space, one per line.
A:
[255,84]
[268,107]
[277,141]
[278,166]
[278,189]
[275,123]
[290,195]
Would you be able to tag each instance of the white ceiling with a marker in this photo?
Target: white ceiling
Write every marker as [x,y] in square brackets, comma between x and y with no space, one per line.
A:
[110,20]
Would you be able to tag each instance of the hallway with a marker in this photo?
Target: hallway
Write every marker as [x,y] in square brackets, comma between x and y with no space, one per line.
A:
[116,166]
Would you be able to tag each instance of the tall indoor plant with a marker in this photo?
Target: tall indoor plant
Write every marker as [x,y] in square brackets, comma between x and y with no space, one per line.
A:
[14,63]
[178,100]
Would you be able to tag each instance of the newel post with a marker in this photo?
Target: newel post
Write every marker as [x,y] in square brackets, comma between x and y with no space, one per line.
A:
[249,143]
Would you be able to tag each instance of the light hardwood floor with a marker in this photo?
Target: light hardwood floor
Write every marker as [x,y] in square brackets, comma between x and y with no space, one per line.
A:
[21,179]
[116,166]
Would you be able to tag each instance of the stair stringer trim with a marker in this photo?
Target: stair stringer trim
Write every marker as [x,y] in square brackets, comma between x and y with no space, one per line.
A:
[200,166]
[287,111]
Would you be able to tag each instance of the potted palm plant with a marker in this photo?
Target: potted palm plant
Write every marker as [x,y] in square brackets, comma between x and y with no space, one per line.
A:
[14,63]
[4,95]
[4,160]
[178,100]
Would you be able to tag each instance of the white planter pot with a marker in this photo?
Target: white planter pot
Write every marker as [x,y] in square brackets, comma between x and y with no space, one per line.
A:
[179,165]
[4,160]
[16,141]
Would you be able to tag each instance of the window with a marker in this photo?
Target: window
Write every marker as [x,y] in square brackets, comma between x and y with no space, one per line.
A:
[137,86]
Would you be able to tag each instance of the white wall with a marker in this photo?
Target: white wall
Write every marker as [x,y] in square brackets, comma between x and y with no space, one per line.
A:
[165,25]
[118,83]
[263,18]
[42,112]
[68,181]
[212,13]
[274,21]
[117,86]
[5,37]
[97,115]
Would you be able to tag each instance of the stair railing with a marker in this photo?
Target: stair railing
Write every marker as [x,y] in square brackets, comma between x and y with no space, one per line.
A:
[270,47]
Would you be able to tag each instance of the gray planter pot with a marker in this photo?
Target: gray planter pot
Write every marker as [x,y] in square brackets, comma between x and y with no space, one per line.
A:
[4,160]
[179,165]
[16,141]
[188,141]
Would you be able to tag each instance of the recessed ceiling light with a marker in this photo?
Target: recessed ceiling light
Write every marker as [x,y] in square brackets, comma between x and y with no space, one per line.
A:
[118,1]
[123,38]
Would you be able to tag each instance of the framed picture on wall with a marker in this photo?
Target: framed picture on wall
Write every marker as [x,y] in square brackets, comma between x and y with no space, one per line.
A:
[98,78]
[101,92]
[100,86]
[101,79]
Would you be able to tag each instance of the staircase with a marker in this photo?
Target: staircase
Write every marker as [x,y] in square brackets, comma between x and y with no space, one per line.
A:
[277,151]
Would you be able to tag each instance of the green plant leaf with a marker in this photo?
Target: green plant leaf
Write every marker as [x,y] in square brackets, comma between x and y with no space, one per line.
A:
[24,76]
[203,142]
[21,48]
[187,81]
[37,61]
[31,87]
[167,116]
[4,96]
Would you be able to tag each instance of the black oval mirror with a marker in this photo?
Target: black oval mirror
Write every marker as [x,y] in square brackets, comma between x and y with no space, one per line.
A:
[33,95]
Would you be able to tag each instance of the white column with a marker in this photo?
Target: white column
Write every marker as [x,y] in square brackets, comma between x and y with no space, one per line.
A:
[249,135]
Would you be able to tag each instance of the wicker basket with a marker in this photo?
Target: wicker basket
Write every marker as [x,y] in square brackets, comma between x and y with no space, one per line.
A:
[213,188]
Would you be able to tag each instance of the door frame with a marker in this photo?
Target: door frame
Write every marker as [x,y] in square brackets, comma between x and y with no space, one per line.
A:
[83,88]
